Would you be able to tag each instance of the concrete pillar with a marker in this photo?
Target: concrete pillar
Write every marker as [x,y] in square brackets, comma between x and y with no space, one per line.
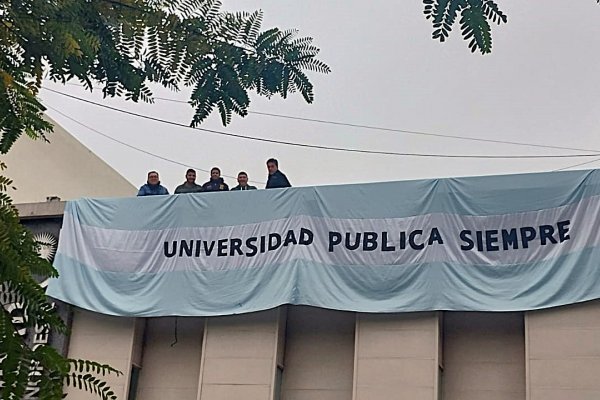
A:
[170,366]
[396,356]
[240,356]
[563,352]
[107,340]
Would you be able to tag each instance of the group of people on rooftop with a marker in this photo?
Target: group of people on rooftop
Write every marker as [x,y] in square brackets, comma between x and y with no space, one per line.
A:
[152,187]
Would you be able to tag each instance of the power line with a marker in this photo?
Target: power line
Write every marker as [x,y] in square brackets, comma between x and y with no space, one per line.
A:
[136,148]
[409,132]
[205,170]
[576,165]
[320,147]
[385,129]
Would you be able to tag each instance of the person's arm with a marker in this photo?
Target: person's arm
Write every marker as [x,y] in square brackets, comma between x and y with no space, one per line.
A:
[287,182]
[142,191]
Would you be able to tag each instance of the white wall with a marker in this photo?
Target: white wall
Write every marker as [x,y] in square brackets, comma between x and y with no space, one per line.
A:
[64,168]
[396,356]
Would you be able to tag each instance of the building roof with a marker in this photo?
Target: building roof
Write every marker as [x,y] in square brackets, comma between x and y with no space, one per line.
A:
[63,168]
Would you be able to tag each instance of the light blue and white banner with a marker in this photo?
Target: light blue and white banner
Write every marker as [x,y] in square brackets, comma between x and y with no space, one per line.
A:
[497,243]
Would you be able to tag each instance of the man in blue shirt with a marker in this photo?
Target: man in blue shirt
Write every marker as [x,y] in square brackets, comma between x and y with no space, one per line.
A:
[277,179]
[152,186]
[216,183]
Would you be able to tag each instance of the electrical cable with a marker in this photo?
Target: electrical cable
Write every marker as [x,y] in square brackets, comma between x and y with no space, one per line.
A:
[175,335]
[380,128]
[320,147]
[205,170]
[137,148]
[576,165]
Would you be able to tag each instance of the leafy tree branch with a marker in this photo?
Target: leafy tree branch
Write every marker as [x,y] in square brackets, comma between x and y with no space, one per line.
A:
[475,20]
[127,45]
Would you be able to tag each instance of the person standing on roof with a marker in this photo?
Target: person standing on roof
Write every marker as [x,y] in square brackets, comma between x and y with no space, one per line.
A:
[216,183]
[189,186]
[242,179]
[277,179]
[152,186]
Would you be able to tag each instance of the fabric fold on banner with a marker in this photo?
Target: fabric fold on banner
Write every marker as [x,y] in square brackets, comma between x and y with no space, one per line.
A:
[495,243]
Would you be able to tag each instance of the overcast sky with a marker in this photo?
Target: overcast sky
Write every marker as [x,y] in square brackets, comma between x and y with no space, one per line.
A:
[539,85]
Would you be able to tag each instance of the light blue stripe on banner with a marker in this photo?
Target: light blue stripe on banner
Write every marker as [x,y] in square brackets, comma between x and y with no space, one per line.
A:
[482,196]
[569,279]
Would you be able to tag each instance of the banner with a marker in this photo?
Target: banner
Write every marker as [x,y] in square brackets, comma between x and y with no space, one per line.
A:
[496,243]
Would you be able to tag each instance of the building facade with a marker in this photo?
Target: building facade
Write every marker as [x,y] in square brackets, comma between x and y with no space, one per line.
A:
[305,353]
[301,353]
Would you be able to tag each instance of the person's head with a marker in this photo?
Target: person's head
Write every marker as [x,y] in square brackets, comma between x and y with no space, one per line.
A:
[153,178]
[272,166]
[190,176]
[215,173]
[242,178]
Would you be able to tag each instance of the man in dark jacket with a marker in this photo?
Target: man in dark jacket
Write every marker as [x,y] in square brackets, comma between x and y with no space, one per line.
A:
[216,183]
[277,179]
[243,182]
[152,186]
[189,186]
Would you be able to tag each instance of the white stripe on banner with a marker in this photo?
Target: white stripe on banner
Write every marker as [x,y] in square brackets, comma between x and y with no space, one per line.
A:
[507,239]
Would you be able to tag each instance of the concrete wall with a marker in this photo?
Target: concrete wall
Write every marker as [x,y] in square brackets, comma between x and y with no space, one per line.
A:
[329,355]
[319,355]
[563,357]
[64,168]
[240,356]
[105,339]
[171,370]
[483,356]
[396,356]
